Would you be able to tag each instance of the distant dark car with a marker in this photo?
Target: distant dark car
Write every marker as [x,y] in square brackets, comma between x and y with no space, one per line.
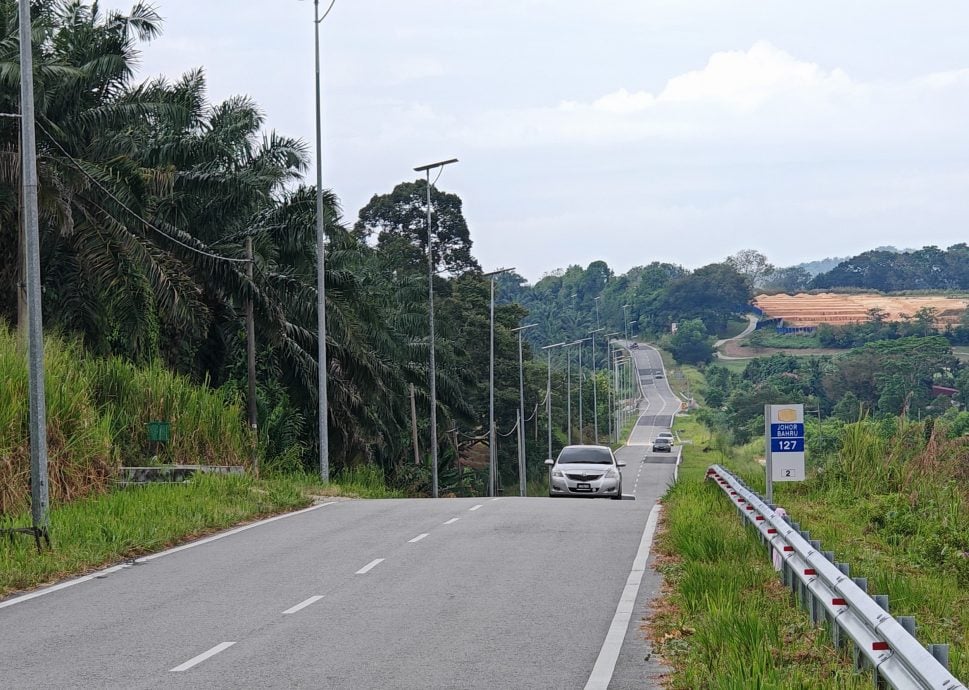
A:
[662,445]
[659,376]
[634,346]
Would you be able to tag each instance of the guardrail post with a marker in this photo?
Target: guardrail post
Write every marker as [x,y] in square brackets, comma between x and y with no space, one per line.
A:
[907,622]
[941,654]
[882,601]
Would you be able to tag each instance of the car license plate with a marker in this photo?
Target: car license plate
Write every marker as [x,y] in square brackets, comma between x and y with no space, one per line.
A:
[581,486]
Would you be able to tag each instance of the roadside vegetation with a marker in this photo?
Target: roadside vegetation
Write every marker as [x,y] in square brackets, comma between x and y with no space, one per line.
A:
[767,338]
[889,495]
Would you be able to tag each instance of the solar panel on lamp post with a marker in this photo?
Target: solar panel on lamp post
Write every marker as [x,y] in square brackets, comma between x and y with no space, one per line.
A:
[492,434]
[432,374]
[521,419]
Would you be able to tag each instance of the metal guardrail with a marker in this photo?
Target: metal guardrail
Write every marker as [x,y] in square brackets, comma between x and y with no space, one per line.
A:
[880,642]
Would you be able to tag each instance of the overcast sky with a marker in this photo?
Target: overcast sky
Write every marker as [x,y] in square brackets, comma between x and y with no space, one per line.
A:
[623,130]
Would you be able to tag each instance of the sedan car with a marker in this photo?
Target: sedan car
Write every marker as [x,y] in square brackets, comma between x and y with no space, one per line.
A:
[586,471]
[662,445]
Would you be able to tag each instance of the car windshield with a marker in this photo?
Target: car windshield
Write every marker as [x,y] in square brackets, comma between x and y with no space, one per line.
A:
[590,456]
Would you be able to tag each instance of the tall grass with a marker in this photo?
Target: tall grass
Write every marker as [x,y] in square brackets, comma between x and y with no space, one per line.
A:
[103,529]
[97,412]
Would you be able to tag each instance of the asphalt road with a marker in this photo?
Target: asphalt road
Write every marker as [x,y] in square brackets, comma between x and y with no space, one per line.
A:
[447,593]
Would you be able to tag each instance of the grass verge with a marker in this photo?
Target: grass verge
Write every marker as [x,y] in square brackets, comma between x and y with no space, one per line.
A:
[725,621]
[724,606]
[103,529]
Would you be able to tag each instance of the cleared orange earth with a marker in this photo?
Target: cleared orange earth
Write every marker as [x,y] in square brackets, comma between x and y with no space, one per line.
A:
[839,310]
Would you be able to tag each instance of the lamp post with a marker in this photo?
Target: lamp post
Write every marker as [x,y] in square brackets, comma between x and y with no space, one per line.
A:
[492,435]
[596,300]
[608,337]
[521,400]
[568,387]
[323,411]
[432,375]
[595,385]
[581,427]
[548,393]
[625,320]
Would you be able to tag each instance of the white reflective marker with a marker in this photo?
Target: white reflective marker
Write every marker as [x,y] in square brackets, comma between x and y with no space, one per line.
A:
[370,566]
[194,661]
[302,605]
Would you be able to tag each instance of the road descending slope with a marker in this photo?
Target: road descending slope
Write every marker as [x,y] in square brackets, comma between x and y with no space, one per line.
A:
[447,593]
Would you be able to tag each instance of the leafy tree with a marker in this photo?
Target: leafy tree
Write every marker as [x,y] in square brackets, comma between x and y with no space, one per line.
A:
[713,294]
[399,220]
[691,344]
[791,279]
[751,264]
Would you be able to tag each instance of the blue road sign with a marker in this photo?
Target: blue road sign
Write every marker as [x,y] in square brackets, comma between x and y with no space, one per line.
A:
[789,430]
[787,445]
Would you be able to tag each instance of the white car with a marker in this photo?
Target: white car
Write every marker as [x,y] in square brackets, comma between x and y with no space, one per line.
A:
[586,471]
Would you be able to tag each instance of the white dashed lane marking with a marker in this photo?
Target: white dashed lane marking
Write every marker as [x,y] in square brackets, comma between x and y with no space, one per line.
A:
[370,566]
[417,538]
[194,661]
[302,605]
[451,521]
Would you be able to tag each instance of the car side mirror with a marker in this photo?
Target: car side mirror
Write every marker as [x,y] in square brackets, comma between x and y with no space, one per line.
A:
[549,462]
[620,464]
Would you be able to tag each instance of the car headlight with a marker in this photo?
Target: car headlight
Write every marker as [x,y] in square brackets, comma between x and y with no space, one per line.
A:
[612,473]
[558,473]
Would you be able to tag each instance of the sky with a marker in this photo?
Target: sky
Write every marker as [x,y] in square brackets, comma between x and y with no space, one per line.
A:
[629,131]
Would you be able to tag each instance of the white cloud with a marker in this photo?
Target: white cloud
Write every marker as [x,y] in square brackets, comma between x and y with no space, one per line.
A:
[761,96]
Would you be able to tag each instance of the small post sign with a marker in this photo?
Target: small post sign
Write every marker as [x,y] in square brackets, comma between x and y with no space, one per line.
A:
[784,445]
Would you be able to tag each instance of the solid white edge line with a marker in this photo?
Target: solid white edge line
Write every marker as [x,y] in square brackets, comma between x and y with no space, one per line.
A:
[194,661]
[451,521]
[145,559]
[370,566]
[303,604]
[609,654]
[417,538]
[476,507]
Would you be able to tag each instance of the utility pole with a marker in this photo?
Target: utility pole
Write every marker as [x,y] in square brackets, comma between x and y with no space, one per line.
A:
[413,427]
[492,433]
[251,362]
[581,425]
[39,487]
[521,417]
[595,370]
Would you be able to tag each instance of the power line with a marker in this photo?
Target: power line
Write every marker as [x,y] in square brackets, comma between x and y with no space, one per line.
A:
[136,215]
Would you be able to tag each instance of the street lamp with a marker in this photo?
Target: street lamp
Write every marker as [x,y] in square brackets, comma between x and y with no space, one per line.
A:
[568,387]
[608,337]
[581,427]
[324,407]
[492,434]
[521,400]
[625,318]
[596,300]
[595,386]
[548,393]
[430,310]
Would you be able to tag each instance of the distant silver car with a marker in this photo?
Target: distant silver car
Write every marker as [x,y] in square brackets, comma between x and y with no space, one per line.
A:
[586,471]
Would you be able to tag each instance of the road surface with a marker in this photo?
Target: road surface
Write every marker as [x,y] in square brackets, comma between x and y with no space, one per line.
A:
[447,593]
